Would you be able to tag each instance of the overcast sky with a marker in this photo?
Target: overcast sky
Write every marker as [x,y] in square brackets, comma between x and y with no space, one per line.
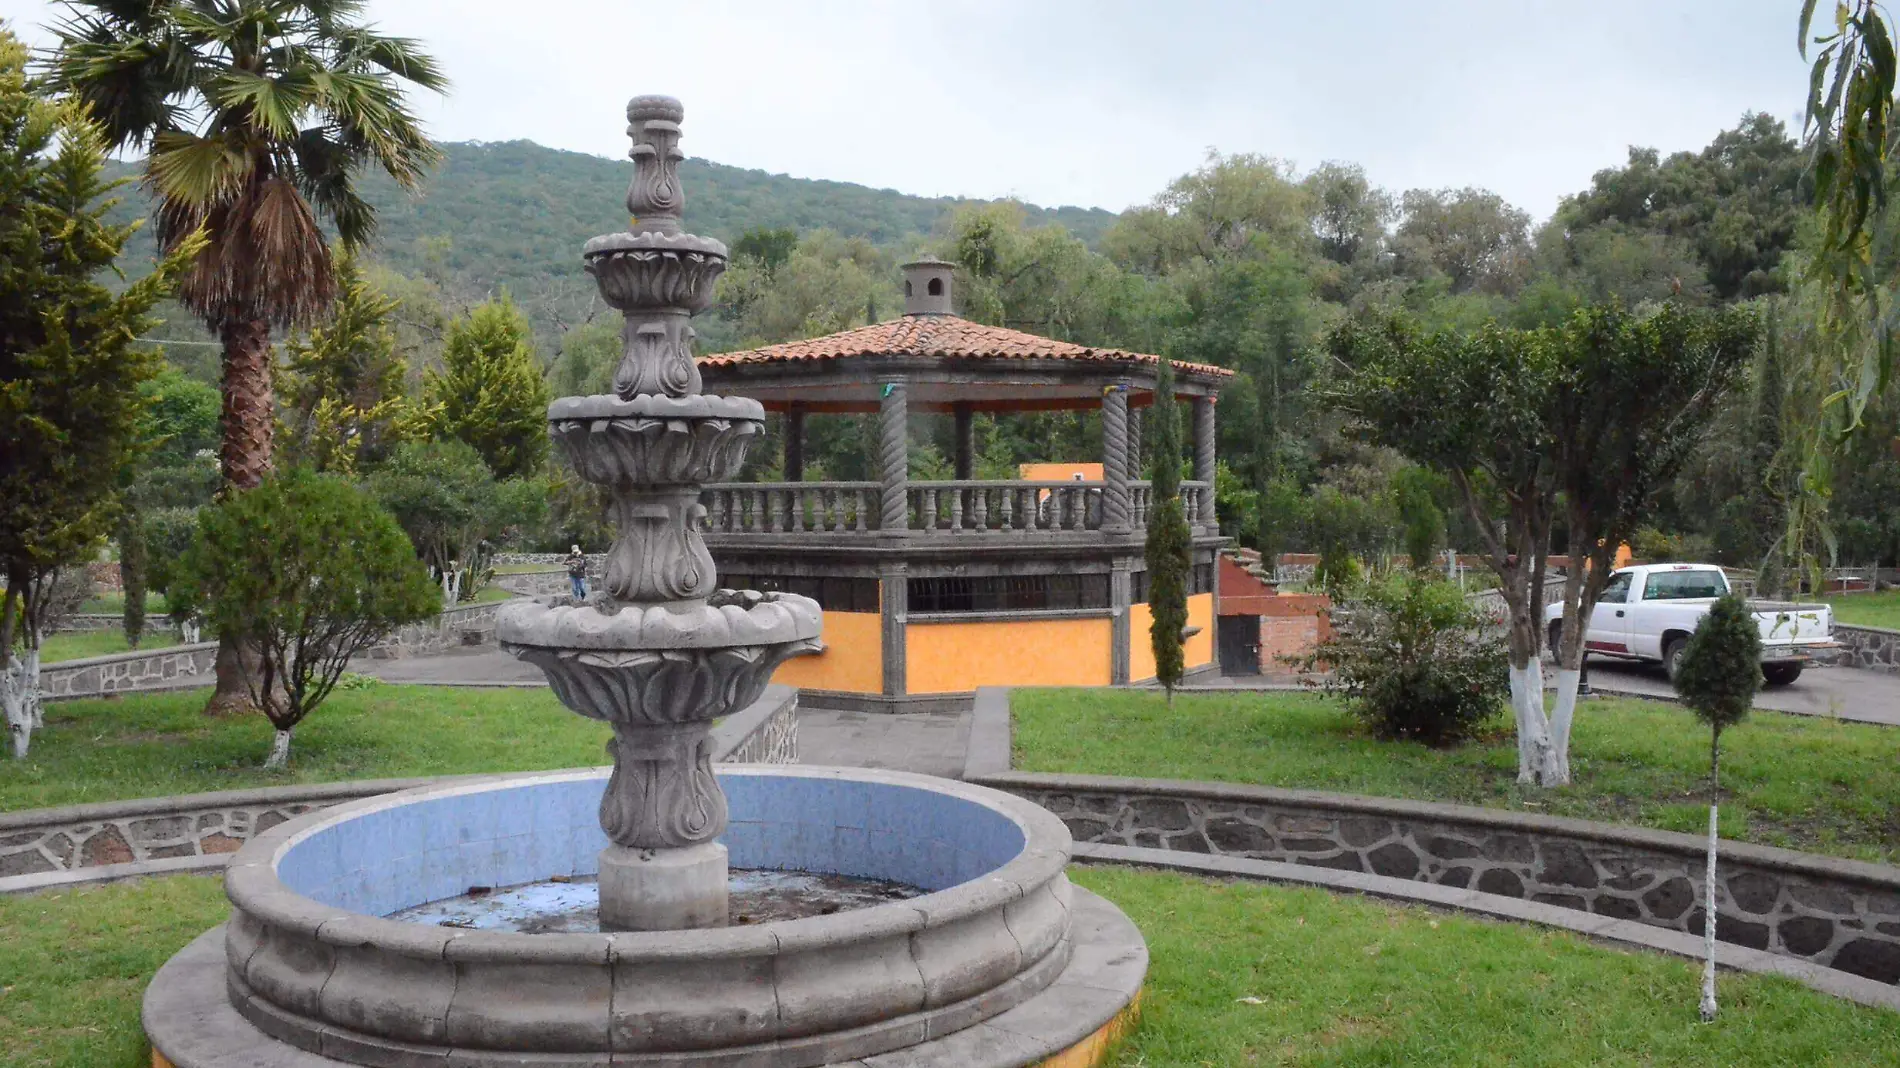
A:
[1102,102]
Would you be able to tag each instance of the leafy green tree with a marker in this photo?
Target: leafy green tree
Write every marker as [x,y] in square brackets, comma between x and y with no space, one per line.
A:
[1718,679]
[344,402]
[489,392]
[454,510]
[1415,661]
[1633,396]
[314,572]
[769,247]
[1168,546]
[828,283]
[133,573]
[1727,214]
[69,374]
[1472,237]
[259,119]
[1475,409]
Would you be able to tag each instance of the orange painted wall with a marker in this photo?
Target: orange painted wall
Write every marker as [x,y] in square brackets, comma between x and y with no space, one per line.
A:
[1059,472]
[853,660]
[954,657]
[1198,650]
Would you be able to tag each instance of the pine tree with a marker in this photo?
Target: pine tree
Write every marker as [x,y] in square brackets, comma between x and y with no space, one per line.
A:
[345,406]
[1719,676]
[1169,541]
[490,392]
[69,374]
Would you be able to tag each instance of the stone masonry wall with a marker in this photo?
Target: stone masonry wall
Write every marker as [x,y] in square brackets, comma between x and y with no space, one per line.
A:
[203,824]
[157,669]
[465,624]
[1871,648]
[1839,914]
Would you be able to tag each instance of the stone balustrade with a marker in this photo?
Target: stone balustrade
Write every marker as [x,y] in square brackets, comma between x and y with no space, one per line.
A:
[933,507]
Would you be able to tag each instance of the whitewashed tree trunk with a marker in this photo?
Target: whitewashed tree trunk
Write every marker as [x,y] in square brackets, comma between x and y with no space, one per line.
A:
[1557,768]
[1708,929]
[188,631]
[1536,750]
[35,701]
[19,698]
[279,751]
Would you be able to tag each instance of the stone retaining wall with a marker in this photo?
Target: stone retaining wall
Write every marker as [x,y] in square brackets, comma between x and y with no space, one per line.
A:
[1871,648]
[94,622]
[465,624]
[38,841]
[154,669]
[1837,913]
[182,666]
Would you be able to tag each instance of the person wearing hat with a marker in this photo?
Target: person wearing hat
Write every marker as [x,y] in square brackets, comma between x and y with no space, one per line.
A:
[577,572]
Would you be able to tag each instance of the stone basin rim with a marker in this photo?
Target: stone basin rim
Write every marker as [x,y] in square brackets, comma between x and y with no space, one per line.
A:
[779,618]
[253,887]
[654,406]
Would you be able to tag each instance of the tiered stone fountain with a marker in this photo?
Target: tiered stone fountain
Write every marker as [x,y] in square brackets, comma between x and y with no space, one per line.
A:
[661,652]
[361,934]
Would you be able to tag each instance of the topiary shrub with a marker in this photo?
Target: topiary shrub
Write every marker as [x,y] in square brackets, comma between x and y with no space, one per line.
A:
[1718,677]
[1413,660]
[311,572]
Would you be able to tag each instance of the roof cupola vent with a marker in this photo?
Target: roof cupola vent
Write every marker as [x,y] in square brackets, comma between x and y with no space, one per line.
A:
[927,287]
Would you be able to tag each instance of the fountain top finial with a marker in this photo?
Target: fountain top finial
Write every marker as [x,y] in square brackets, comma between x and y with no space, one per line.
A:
[655,200]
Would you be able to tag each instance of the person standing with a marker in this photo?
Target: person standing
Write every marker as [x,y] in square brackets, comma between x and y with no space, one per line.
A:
[577,572]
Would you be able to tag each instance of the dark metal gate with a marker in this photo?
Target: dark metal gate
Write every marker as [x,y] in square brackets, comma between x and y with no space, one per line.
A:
[1238,638]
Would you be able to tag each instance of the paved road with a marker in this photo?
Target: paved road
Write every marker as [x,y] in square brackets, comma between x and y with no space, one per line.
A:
[933,743]
[1847,693]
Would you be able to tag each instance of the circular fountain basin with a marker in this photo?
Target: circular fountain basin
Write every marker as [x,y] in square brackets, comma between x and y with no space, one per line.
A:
[313,961]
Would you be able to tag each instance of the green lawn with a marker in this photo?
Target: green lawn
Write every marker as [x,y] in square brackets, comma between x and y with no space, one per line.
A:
[81,644]
[155,744]
[1345,980]
[1339,980]
[1868,609]
[1800,782]
[489,594]
[115,603]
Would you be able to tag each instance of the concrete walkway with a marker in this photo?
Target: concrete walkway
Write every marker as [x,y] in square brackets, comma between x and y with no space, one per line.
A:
[932,743]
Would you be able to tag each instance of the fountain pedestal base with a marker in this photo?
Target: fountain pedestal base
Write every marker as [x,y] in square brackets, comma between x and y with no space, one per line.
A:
[662,889]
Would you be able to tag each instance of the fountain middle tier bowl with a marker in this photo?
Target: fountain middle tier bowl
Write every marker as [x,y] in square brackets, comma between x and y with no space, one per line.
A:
[662,663]
[653,439]
[313,960]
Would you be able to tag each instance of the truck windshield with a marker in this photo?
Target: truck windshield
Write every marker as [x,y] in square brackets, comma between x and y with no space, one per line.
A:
[1683,585]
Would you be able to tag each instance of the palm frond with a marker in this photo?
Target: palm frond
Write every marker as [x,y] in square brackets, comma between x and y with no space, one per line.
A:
[196,170]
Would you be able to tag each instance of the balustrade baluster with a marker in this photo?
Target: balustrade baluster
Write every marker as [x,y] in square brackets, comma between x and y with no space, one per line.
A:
[857,502]
[956,509]
[774,511]
[1005,518]
[1078,508]
[982,503]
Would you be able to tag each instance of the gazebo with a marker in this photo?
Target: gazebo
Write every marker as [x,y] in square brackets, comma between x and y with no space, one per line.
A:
[931,589]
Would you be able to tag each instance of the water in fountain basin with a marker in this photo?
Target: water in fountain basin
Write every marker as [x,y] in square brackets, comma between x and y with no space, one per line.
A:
[573,905]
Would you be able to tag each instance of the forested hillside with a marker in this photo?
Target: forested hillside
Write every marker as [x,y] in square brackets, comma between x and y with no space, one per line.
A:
[513,215]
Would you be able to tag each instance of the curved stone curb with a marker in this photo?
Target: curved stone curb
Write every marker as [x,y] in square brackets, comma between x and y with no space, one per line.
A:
[49,848]
[1496,906]
[191,1023]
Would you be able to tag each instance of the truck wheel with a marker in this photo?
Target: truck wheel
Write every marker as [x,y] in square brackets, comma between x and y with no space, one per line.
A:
[1780,674]
[1672,656]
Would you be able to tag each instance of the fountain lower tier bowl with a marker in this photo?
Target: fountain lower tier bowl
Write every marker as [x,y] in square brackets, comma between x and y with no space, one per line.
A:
[315,968]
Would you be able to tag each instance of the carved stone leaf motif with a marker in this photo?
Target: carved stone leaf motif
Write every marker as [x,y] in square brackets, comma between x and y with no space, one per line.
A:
[662,794]
[659,554]
[642,451]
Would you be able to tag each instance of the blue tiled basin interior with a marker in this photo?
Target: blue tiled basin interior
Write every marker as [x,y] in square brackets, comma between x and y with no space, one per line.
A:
[407,854]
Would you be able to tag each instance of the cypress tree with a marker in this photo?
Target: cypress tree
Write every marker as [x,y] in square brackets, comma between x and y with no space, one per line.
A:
[1168,538]
[132,572]
[1719,675]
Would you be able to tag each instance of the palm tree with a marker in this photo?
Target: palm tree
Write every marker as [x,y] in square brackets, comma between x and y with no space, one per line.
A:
[258,117]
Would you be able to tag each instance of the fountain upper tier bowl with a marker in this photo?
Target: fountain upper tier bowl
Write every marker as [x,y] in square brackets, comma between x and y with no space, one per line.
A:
[311,960]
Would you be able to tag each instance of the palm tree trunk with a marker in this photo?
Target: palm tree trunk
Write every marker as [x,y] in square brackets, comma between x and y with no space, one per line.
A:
[244,458]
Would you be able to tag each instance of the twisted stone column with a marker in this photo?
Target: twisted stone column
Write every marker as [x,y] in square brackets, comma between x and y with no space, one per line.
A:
[1204,456]
[1115,511]
[893,458]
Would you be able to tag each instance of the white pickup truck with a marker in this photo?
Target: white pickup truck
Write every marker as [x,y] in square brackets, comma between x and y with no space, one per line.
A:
[1647,612]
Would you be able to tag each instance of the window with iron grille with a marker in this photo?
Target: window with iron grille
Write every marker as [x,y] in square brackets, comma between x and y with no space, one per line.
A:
[1008,593]
[1200,580]
[833,594]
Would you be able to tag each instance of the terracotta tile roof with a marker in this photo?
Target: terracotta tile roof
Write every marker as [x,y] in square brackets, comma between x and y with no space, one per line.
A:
[940,335]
